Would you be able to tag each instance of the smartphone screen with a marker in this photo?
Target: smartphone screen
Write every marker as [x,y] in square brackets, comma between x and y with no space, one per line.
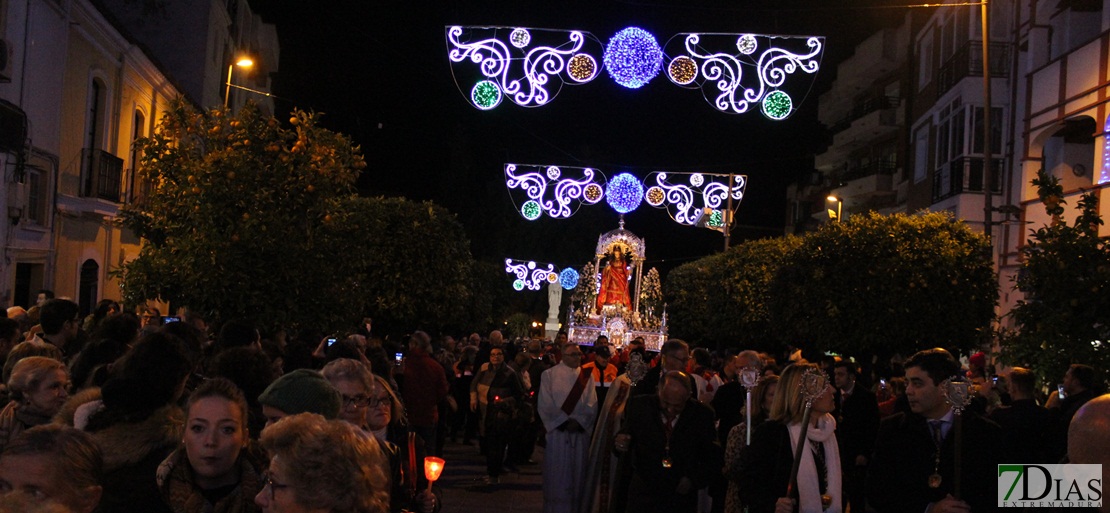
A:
[1060,391]
[397,357]
[168,319]
[332,340]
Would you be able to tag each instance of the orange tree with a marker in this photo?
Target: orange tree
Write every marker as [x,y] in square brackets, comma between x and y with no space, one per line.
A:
[247,217]
[722,300]
[1065,276]
[886,284]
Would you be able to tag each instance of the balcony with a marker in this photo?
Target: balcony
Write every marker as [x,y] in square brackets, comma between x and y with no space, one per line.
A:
[964,174]
[878,167]
[863,108]
[968,62]
[101,173]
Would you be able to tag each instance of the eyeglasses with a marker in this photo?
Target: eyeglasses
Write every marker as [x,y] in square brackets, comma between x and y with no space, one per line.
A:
[268,481]
[380,401]
[358,400]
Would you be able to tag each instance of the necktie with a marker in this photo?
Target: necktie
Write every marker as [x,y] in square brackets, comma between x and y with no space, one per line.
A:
[937,427]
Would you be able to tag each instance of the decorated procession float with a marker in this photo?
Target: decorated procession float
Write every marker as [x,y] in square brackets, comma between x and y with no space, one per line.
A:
[620,302]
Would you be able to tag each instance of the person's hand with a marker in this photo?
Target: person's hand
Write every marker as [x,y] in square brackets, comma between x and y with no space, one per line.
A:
[784,505]
[427,501]
[473,404]
[622,442]
[685,486]
[949,504]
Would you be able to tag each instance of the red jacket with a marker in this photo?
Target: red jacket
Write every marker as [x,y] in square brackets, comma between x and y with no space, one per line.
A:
[424,387]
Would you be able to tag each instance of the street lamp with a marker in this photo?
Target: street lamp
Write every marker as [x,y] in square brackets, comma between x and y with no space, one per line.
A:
[243,62]
[839,205]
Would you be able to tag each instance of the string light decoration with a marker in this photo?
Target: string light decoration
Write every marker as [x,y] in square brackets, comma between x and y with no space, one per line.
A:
[582,68]
[624,193]
[568,279]
[529,274]
[716,219]
[528,66]
[777,105]
[633,57]
[486,95]
[685,202]
[737,71]
[554,190]
[682,70]
[531,210]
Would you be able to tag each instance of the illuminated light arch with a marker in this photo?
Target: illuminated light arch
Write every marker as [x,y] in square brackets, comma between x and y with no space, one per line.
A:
[737,71]
[530,274]
[685,202]
[557,191]
[529,66]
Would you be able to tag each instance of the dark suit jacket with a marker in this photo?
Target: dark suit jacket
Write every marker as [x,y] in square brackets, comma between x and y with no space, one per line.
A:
[694,453]
[765,467]
[727,403]
[857,425]
[897,478]
[1023,429]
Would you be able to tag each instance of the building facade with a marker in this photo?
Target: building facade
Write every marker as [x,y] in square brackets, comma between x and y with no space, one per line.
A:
[76,90]
[1048,65]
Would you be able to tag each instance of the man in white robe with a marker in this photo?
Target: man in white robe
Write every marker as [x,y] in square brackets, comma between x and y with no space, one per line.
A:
[567,406]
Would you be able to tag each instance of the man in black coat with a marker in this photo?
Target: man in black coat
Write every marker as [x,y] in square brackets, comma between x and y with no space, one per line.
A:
[671,447]
[857,425]
[913,465]
[1023,422]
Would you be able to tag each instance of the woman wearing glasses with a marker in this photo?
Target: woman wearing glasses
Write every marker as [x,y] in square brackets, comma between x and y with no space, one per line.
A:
[212,471]
[319,465]
[371,404]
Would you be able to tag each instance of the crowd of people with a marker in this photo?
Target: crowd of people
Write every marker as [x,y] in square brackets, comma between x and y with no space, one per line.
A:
[119,411]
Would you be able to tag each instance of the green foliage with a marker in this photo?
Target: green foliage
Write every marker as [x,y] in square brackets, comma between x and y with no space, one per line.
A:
[892,284]
[418,271]
[1065,276]
[249,218]
[239,219]
[722,299]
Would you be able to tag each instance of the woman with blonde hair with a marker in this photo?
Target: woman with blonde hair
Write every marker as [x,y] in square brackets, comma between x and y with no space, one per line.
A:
[38,388]
[213,471]
[321,465]
[765,465]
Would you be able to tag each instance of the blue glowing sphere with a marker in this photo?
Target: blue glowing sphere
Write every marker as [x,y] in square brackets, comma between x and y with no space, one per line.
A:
[624,193]
[568,278]
[633,57]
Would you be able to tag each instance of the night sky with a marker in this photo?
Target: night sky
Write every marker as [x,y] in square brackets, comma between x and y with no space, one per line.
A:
[379,71]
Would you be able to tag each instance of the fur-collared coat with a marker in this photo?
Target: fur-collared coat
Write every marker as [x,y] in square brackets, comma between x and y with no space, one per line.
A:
[132,452]
[179,489]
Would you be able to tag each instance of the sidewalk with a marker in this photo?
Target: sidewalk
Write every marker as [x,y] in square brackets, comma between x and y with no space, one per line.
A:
[462,490]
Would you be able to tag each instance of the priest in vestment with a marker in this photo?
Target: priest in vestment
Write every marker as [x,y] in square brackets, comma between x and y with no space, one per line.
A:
[567,406]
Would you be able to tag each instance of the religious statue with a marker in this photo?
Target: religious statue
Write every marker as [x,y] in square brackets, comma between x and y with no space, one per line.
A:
[614,282]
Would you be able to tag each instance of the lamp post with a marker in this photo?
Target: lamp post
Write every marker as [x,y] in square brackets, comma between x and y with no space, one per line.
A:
[839,207]
[243,62]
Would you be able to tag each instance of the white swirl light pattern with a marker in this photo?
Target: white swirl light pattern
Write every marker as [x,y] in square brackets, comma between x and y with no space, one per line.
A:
[681,200]
[723,59]
[513,59]
[567,193]
[530,275]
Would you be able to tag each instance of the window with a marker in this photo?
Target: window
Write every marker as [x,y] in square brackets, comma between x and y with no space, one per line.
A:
[996,131]
[925,62]
[36,196]
[139,187]
[921,154]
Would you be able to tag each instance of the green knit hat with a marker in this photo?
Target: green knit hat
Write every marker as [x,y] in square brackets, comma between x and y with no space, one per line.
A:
[301,391]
